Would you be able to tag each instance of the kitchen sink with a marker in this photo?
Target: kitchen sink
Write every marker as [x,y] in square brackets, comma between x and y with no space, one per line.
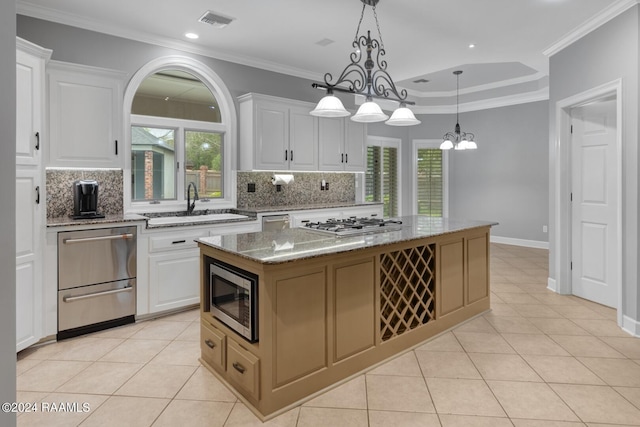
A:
[168,220]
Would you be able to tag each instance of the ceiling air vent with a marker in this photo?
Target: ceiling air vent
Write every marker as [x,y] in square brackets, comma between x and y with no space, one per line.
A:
[215,19]
[421,81]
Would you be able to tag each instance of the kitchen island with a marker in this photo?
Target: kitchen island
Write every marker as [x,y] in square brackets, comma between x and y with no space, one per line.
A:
[329,308]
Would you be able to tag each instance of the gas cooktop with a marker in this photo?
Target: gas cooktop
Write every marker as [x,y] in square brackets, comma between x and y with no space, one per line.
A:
[354,226]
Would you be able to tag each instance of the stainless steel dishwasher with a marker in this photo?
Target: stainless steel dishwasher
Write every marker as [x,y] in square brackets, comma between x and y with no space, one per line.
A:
[96,280]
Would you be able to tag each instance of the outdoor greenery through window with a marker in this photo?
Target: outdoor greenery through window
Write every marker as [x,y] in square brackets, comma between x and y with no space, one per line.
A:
[381,178]
[176,139]
[430,182]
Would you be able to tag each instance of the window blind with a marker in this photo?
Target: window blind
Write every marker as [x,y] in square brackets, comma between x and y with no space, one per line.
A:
[430,182]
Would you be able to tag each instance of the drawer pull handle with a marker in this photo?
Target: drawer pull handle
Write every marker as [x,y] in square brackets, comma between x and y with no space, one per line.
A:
[210,343]
[238,367]
[175,242]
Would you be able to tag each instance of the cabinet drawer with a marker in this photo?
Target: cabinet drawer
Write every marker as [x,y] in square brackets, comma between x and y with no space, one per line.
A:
[243,368]
[212,343]
[176,241]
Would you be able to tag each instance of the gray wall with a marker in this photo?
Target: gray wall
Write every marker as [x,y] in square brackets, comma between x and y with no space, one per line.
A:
[7,210]
[608,53]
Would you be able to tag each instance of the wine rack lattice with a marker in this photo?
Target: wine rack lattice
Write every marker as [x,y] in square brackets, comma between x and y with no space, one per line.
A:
[407,296]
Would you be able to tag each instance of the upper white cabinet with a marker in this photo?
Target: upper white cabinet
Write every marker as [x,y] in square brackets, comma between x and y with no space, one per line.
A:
[29,203]
[85,116]
[277,134]
[342,144]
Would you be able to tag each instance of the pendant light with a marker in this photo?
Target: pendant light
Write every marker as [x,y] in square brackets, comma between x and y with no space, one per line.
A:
[367,80]
[458,140]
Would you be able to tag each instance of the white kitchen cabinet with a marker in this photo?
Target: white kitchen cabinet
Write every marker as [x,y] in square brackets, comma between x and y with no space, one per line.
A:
[29,203]
[277,134]
[341,144]
[85,116]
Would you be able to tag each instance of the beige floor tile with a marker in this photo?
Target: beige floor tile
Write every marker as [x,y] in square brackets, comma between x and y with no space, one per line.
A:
[479,324]
[241,416]
[554,300]
[43,351]
[508,367]
[534,344]
[154,380]
[446,365]
[135,351]
[407,394]
[615,372]
[194,413]
[444,342]
[404,419]
[77,408]
[317,417]
[585,346]
[101,378]
[463,397]
[120,332]
[495,299]
[473,421]
[31,396]
[598,404]
[192,333]
[513,325]
[126,411]
[87,348]
[405,365]
[577,311]
[160,330]
[502,310]
[558,327]
[545,423]
[601,327]
[350,395]
[629,346]
[531,401]
[479,342]
[190,315]
[632,394]
[24,365]
[179,353]
[499,288]
[565,370]
[536,311]
[521,298]
[49,375]
[203,385]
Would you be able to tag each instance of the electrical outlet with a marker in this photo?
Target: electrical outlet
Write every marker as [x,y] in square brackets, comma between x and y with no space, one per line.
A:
[251,187]
[544,229]
[326,186]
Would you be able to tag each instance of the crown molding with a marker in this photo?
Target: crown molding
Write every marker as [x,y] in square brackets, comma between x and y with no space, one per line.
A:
[47,14]
[595,22]
[485,104]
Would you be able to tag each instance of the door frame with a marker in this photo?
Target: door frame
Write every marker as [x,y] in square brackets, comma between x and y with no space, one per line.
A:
[561,170]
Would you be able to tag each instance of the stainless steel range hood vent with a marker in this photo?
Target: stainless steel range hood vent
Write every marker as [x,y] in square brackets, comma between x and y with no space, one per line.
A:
[215,19]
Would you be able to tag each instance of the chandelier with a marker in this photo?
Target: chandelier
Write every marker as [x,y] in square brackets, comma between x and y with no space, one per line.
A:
[456,139]
[370,79]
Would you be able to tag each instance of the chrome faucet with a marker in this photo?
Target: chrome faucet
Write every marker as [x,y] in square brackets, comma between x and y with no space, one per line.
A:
[191,206]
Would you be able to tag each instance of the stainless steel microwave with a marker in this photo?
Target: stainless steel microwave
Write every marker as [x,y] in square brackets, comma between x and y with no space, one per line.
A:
[234,297]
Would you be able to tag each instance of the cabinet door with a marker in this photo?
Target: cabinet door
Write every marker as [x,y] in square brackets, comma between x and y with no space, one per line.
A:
[28,259]
[331,144]
[303,140]
[29,88]
[174,280]
[85,108]
[272,136]
[354,146]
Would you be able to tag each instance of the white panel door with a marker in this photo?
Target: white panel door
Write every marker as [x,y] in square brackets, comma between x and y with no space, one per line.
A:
[594,203]
[303,140]
[29,88]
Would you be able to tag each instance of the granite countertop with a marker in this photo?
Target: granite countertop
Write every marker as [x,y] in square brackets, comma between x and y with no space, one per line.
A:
[274,247]
[65,221]
[289,208]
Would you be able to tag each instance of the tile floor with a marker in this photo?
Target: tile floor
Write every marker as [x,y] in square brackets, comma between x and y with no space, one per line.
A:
[537,359]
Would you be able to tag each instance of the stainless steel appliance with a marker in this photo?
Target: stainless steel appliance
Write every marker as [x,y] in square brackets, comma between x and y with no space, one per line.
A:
[234,297]
[354,226]
[85,200]
[96,280]
[275,222]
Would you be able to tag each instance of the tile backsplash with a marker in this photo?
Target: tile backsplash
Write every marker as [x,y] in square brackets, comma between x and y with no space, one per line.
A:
[60,190]
[304,190]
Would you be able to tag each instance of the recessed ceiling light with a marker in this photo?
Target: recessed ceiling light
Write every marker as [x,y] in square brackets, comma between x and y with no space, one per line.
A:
[471,46]
[191,36]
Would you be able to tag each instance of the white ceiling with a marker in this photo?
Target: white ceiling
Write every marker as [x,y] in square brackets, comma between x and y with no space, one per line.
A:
[424,39]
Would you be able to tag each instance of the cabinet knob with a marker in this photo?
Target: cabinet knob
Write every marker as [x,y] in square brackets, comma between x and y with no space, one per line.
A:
[238,367]
[210,343]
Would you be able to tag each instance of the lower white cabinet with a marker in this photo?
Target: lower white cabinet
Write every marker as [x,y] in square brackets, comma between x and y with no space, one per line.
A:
[174,277]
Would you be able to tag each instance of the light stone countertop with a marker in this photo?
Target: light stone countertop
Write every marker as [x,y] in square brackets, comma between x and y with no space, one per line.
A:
[274,247]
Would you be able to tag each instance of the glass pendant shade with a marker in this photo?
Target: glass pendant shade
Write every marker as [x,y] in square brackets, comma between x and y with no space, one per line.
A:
[471,145]
[402,117]
[446,145]
[369,112]
[330,106]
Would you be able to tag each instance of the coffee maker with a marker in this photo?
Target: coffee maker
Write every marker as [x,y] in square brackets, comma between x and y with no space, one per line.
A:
[85,199]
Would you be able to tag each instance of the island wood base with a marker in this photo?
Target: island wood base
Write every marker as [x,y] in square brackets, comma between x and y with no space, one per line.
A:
[324,319]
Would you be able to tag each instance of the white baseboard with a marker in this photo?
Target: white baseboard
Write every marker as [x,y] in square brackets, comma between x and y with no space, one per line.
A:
[631,326]
[552,285]
[520,242]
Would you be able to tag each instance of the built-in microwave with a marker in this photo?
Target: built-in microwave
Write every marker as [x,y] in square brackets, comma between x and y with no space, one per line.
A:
[233,294]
